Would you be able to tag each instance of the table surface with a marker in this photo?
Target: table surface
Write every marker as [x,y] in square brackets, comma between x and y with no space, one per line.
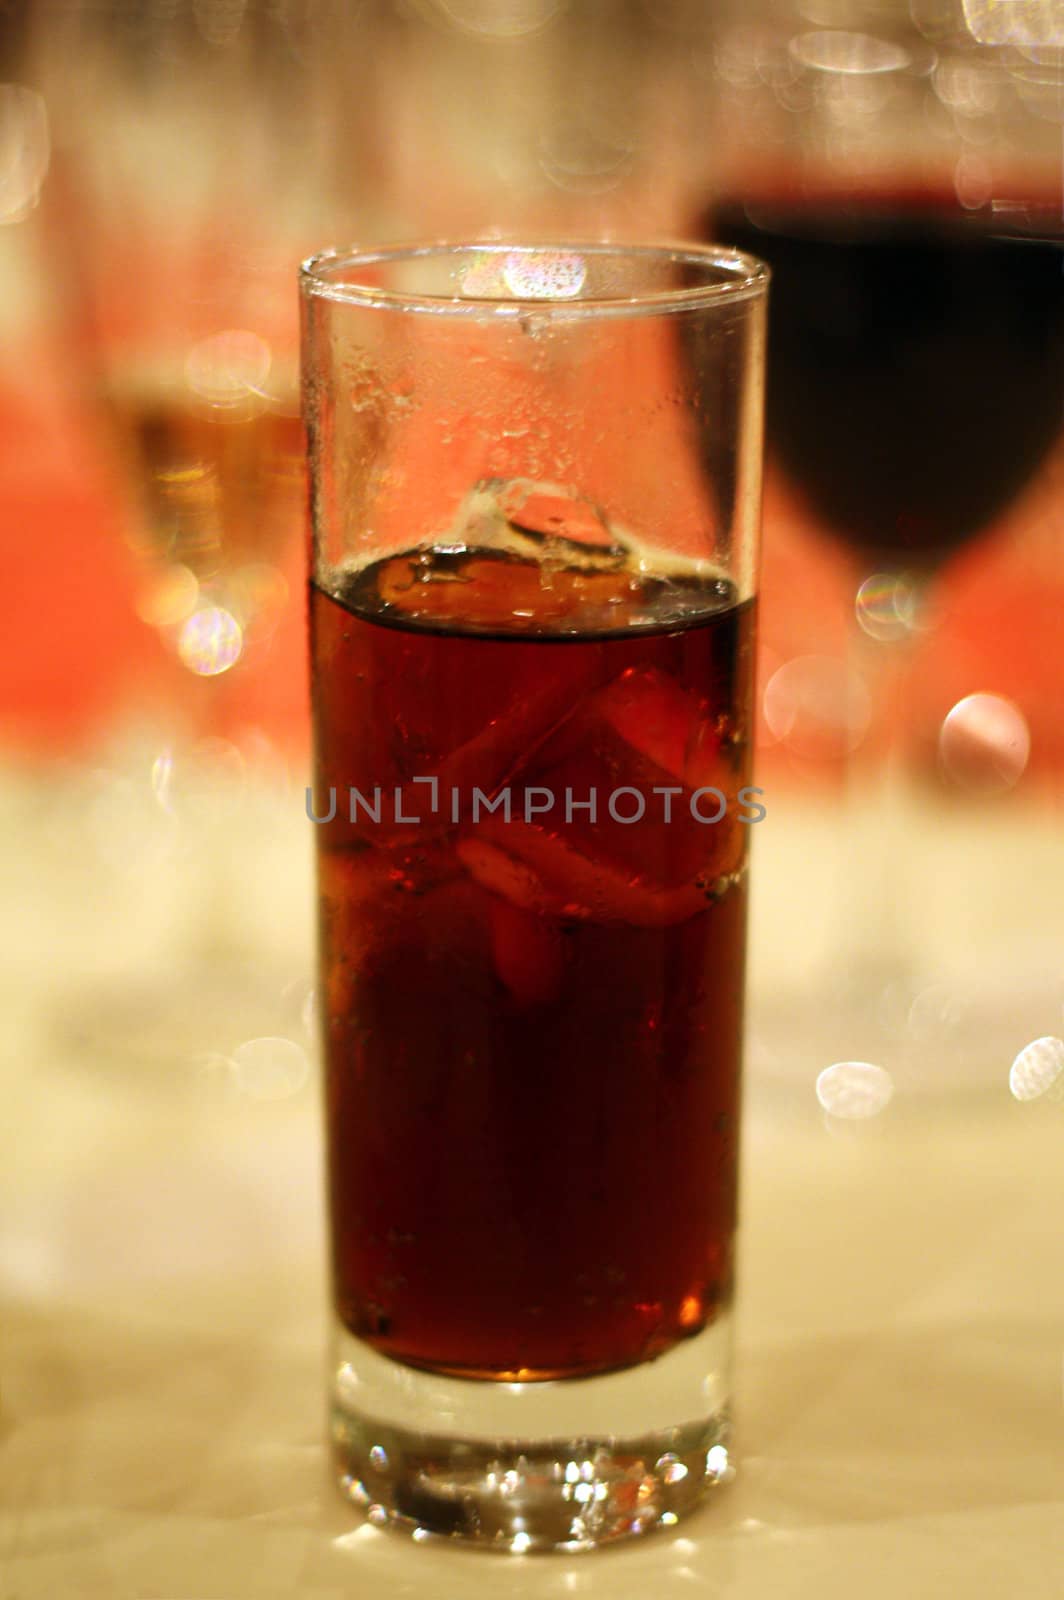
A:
[901,1328]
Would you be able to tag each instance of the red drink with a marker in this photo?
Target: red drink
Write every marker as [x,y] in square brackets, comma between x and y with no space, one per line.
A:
[916,360]
[532,1025]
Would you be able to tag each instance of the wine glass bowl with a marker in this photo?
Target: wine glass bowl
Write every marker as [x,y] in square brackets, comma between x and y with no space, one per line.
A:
[917,362]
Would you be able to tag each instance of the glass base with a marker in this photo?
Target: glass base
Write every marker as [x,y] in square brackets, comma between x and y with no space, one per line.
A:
[563,1465]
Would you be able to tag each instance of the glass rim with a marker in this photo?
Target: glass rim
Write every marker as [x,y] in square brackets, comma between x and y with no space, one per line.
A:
[745,277]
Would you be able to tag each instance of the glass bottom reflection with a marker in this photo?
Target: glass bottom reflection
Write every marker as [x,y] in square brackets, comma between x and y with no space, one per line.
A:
[518,1467]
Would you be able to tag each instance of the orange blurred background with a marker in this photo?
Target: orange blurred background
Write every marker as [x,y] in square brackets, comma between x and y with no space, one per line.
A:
[251,134]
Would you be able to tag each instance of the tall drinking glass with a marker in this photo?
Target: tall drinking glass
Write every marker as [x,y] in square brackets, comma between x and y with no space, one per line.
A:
[535,499]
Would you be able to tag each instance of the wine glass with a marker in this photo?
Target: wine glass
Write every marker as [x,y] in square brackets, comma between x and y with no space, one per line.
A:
[915,382]
[172,224]
[187,348]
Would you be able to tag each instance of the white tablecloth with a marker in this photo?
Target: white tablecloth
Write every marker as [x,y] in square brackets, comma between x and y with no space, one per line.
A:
[901,1329]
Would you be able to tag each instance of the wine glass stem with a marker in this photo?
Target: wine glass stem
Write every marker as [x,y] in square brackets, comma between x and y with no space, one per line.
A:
[882,933]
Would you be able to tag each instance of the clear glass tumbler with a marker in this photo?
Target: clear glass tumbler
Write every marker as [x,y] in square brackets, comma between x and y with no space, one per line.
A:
[535,481]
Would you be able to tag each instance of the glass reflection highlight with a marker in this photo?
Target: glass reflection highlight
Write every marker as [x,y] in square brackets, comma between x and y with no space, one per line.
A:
[544,275]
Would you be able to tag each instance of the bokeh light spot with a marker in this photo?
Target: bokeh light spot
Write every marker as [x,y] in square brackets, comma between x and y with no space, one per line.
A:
[851,54]
[816,708]
[1037,1068]
[886,606]
[210,642]
[854,1090]
[1015,22]
[984,744]
[228,367]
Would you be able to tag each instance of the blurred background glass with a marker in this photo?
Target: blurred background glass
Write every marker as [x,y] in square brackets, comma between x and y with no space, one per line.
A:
[164,165]
[905,185]
[900,167]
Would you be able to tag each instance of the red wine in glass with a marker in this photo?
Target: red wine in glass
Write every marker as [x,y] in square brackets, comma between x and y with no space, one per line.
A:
[916,361]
